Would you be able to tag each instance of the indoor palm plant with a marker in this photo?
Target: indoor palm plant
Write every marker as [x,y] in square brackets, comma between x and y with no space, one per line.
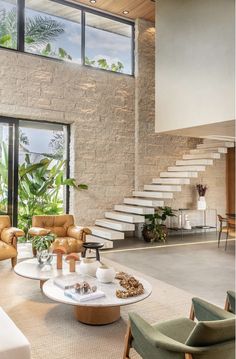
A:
[154,228]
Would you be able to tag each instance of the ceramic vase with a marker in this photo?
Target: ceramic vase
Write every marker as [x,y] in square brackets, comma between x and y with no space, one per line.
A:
[201,203]
[89,266]
[105,274]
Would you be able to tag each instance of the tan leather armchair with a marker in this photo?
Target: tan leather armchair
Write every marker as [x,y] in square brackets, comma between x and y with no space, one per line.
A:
[68,235]
[8,240]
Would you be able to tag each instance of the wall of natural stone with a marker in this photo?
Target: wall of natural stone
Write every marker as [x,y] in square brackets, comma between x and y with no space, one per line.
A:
[114,147]
[100,108]
[155,152]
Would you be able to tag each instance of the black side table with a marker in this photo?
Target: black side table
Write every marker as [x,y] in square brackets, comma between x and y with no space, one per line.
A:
[92,245]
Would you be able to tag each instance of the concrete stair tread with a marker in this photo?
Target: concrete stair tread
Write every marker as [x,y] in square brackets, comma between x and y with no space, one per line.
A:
[125,217]
[133,209]
[163,188]
[216,144]
[213,155]
[116,225]
[201,161]
[205,150]
[151,194]
[186,168]
[107,243]
[171,181]
[143,202]
[106,233]
[179,174]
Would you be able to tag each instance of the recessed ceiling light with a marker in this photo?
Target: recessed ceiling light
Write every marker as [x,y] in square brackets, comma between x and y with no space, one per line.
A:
[93,1]
[125,12]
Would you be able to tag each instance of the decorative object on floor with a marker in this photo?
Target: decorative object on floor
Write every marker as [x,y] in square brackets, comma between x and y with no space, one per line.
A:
[41,246]
[59,251]
[154,229]
[89,266]
[230,301]
[13,343]
[92,246]
[8,240]
[72,258]
[201,203]
[105,274]
[181,338]
[68,235]
[131,284]
[187,224]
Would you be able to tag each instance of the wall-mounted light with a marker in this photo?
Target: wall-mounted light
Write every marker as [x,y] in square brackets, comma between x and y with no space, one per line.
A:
[93,1]
[125,12]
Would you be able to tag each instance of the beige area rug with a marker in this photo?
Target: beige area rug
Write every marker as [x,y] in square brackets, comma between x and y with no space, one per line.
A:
[55,334]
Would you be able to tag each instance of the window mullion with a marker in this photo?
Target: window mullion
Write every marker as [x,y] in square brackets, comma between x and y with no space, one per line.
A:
[20,25]
[83,37]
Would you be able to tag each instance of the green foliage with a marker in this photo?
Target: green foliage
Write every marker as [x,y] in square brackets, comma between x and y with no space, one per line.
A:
[155,222]
[3,178]
[102,64]
[41,243]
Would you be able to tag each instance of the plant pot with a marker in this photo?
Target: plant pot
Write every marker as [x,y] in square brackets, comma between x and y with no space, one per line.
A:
[201,203]
[148,235]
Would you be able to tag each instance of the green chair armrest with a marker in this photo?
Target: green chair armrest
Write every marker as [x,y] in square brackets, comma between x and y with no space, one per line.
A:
[205,311]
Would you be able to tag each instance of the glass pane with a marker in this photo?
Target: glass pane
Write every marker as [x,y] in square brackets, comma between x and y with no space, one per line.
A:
[53,30]
[42,166]
[108,44]
[4,144]
[8,24]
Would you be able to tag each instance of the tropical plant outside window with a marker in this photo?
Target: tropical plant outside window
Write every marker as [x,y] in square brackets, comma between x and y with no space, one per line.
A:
[54,30]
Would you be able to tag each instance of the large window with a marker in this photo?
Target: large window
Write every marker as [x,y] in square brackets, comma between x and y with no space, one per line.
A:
[8,24]
[108,44]
[67,31]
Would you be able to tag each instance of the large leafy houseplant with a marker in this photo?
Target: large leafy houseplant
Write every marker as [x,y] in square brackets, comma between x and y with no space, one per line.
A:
[154,228]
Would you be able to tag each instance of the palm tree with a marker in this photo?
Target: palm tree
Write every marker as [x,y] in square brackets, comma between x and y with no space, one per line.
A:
[39,32]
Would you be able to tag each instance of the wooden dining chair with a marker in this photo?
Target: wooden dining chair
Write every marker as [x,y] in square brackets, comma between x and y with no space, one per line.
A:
[223,228]
[230,230]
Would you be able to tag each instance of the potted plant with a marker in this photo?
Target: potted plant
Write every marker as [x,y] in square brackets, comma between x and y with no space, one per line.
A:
[154,229]
[41,244]
[201,204]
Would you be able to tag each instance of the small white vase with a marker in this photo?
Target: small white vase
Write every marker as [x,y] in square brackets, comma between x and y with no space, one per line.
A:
[105,274]
[88,266]
[201,203]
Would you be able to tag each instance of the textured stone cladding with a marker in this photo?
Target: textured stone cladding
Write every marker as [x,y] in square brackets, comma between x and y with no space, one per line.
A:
[114,147]
[154,152]
[100,108]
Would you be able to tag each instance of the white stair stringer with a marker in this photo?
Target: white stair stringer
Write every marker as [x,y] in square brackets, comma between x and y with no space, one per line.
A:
[125,216]
[216,144]
[152,187]
[171,181]
[133,209]
[201,161]
[186,168]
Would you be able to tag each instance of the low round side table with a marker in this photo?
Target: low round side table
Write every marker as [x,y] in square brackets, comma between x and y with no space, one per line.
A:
[93,245]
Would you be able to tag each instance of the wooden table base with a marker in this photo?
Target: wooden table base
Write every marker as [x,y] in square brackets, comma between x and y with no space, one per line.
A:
[97,315]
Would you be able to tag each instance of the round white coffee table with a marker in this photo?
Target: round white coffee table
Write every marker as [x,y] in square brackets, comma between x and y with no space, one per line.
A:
[31,269]
[100,311]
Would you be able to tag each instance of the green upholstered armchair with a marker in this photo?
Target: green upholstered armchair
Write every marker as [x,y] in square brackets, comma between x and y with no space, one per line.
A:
[230,301]
[181,339]
[202,310]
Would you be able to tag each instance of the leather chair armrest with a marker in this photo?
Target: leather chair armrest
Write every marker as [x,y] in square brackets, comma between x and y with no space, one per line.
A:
[37,231]
[78,232]
[9,234]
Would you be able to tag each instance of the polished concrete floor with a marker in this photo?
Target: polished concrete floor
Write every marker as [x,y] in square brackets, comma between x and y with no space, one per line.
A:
[192,263]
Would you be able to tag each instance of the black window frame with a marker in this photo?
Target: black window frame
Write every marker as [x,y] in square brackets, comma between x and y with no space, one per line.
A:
[13,177]
[20,5]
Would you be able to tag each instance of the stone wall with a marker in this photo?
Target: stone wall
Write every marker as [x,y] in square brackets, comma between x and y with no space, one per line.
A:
[114,147]
[100,108]
[155,152]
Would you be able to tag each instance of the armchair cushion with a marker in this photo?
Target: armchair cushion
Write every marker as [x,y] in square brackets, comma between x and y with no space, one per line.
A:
[8,234]
[37,231]
[56,224]
[213,332]
[71,245]
[205,311]
[7,251]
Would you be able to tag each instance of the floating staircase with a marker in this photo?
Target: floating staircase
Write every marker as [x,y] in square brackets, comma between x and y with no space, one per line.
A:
[124,217]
